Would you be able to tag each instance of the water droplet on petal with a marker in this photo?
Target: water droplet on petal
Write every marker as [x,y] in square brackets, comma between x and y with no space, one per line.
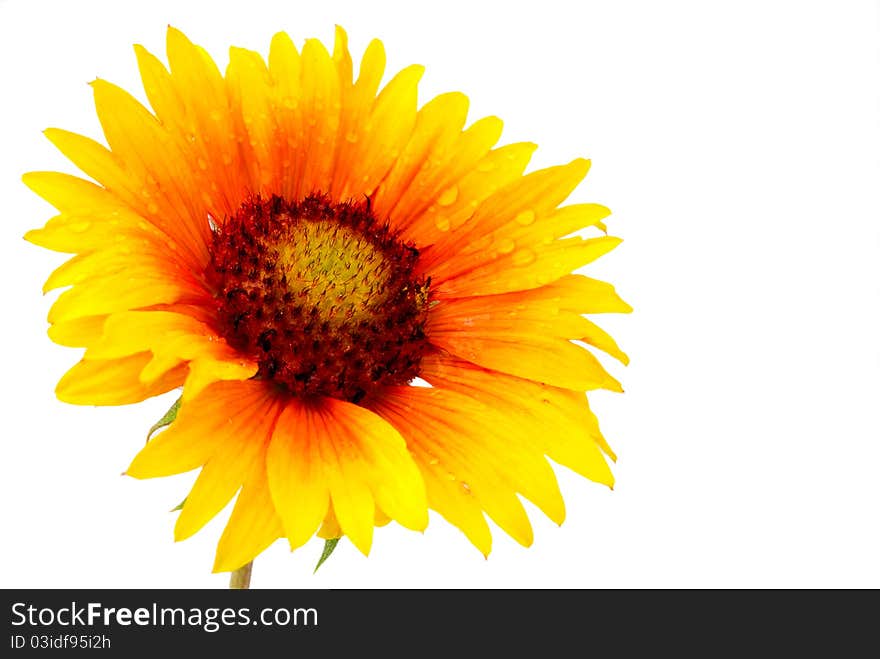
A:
[485,166]
[442,223]
[543,278]
[506,245]
[216,115]
[525,218]
[351,137]
[203,164]
[448,196]
[153,208]
[523,257]
[79,227]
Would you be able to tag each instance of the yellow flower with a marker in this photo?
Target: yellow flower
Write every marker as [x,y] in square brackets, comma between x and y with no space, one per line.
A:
[299,250]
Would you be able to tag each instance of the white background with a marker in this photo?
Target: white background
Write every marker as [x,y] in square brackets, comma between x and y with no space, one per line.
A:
[738,144]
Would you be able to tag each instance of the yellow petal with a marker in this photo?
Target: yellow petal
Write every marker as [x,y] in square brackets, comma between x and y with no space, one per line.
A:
[378,454]
[352,500]
[145,283]
[253,525]
[173,339]
[341,56]
[599,338]
[113,382]
[79,332]
[330,528]
[73,195]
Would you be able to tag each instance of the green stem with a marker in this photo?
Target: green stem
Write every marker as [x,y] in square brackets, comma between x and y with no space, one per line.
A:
[241,578]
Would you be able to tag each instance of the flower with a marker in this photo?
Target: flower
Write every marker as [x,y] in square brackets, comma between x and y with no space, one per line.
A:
[370,309]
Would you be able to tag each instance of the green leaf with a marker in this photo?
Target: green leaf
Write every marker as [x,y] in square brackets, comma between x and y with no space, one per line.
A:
[166,419]
[329,546]
[178,506]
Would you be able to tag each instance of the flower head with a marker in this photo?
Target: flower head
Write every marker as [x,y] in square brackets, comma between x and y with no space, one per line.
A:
[298,250]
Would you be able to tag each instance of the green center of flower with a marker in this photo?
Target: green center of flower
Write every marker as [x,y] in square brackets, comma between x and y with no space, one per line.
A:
[321,294]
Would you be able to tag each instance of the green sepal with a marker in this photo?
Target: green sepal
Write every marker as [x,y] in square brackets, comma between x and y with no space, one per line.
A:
[166,419]
[329,546]
[178,506]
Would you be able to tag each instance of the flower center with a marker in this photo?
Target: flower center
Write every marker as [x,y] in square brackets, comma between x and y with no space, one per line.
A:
[321,294]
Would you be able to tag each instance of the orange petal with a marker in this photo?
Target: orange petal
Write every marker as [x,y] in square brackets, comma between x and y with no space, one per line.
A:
[525,334]
[552,310]
[295,473]
[321,105]
[247,78]
[456,204]
[239,450]
[455,439]
[357,101]
[285,72]
[337,448]
[159,189]
[558,421]
[438,177]
[192,103]
[438,125]
[505,266]
[380,137]
[222,411]
[534,195]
